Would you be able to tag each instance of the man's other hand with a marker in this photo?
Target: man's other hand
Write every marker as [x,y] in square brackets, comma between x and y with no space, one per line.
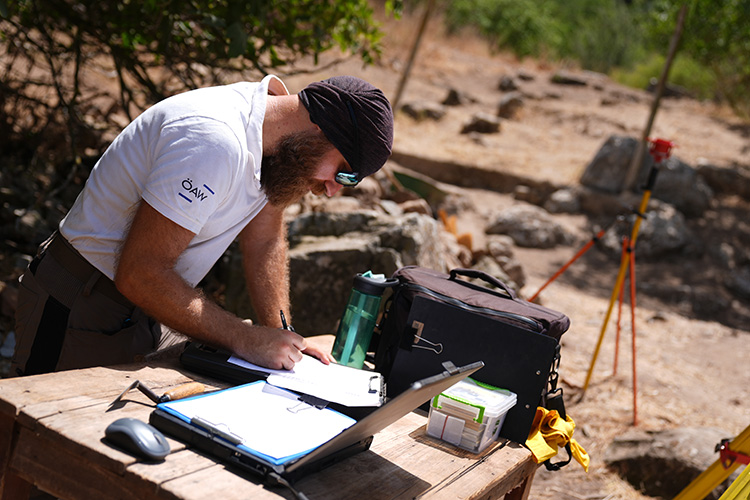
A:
[324,356]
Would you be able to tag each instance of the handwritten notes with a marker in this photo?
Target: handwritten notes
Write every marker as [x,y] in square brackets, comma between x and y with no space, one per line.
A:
[335,383]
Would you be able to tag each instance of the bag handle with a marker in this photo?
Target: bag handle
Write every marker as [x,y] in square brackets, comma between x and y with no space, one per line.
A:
[488,278]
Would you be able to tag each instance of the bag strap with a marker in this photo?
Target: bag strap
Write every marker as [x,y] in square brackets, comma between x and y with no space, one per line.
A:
[562,463]
[553,400]
[488,278]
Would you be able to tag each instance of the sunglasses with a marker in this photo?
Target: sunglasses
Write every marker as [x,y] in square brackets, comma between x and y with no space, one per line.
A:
[349,179]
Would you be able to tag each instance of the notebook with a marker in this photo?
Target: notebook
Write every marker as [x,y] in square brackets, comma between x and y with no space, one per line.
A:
[223,445]
[285,429]
[220,364]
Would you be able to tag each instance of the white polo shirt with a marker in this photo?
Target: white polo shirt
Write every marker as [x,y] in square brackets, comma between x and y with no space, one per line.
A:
[195,158]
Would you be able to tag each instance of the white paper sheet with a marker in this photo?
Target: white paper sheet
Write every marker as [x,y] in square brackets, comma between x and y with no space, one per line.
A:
[335,383]
[267,420]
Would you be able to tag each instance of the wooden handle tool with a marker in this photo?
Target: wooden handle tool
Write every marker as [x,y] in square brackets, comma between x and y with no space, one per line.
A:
[179,392]
[182,391]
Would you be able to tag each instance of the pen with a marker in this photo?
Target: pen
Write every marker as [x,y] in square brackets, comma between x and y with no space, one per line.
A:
[284,325]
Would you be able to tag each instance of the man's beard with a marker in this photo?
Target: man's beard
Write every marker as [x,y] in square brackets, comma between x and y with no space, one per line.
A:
[286,175]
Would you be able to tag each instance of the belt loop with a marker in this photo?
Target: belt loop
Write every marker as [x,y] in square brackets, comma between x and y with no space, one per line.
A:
[90,283]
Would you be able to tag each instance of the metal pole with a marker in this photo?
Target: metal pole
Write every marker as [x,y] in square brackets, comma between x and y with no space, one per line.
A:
[413,54]
[635,163]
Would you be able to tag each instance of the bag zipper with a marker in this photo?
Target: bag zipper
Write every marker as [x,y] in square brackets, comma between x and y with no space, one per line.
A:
[535,325]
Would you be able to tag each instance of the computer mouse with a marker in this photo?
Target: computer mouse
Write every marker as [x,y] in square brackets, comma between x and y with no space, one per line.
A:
[138,438]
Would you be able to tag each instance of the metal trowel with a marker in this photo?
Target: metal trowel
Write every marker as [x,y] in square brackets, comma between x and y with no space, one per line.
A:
[179,392]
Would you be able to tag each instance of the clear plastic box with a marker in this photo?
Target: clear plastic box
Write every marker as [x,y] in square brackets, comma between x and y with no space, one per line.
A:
[469,414]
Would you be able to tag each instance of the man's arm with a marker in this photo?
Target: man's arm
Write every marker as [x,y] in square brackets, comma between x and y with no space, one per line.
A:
[265,262]
[266,266]
[145,275]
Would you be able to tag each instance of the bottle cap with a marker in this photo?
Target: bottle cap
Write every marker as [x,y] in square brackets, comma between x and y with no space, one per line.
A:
[373,284]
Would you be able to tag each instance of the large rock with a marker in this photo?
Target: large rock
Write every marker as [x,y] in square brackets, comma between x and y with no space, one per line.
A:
[530,226]
[663,232]
[321,272]
[662,463]
[726,180]
[327,250]
[677,183]
[609,167]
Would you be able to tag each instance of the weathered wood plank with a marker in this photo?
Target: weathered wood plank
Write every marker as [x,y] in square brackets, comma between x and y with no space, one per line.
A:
[521,492]
[220,483]
[491,478]
[11,486]
[176,465]
[69,475]
[423,470]
[99,382]
[7,428]
[80,430]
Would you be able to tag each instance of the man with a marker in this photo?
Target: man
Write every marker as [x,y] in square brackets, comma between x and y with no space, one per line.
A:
[164,202]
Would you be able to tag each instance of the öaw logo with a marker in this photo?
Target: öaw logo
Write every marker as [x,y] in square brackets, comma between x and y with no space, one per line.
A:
[191,192]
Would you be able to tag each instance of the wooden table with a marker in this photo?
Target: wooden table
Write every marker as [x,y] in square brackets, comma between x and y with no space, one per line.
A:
[52,425]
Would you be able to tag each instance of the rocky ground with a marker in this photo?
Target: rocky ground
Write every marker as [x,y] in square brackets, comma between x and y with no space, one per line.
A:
[690,372]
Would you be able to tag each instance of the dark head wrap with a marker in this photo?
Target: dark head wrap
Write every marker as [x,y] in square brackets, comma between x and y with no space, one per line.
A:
[356,117]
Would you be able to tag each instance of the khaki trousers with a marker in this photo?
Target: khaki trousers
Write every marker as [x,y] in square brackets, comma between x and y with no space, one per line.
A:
[70,315]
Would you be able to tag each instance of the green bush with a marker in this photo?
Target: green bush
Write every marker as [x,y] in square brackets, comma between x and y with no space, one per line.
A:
[599,35]
[524,26]
[627,39]
[685,72]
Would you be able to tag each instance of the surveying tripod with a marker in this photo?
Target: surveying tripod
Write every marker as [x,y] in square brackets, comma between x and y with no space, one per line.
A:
[731,455]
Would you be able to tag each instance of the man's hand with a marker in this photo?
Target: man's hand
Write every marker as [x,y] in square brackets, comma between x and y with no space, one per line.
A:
[320,352]
[270,347]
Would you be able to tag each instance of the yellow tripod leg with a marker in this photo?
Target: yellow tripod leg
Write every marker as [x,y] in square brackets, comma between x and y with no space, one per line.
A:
[618,283]
[740,488]
[716,473]
[612,299]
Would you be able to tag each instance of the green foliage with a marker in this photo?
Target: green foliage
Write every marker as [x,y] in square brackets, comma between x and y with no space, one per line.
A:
[685,72]
[524,26]
[625,37]
[716,35]
[155,48]
[600,35]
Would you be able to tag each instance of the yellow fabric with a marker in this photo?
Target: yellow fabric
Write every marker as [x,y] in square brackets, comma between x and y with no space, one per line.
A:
[550,432]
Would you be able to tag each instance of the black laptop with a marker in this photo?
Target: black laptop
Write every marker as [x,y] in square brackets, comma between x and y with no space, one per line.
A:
[352,440]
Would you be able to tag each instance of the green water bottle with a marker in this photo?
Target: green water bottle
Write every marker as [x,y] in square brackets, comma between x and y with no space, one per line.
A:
[359,318]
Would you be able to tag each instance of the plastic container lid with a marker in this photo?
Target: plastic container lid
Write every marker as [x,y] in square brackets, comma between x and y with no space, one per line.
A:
[494,400]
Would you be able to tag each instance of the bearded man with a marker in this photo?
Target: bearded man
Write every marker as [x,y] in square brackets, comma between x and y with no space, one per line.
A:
[170,194]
